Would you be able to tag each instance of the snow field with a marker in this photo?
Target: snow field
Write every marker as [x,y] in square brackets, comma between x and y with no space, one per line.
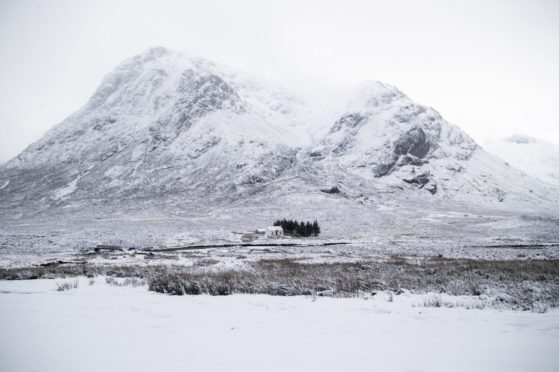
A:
[103,327]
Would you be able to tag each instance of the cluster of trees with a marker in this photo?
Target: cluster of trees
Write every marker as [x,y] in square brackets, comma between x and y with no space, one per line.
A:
[292,227]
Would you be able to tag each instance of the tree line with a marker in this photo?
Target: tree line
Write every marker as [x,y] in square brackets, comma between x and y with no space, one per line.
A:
[292,227]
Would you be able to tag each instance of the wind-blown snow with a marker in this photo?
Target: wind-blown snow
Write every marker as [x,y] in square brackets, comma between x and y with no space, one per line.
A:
[108,328]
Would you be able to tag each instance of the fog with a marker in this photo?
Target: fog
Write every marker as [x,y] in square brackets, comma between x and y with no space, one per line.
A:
[489,67]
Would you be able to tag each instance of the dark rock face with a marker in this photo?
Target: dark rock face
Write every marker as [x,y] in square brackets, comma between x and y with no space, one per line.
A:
[413,142]
[332,190]
[202,93]
[423,180]
[384,169]
[411,148]
[410,159]
[432,188]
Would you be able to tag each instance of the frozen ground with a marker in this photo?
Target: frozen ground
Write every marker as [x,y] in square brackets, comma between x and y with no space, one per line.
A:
[379,230]
[109,328]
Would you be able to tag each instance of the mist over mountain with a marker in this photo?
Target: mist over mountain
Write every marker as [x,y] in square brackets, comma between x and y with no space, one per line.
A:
[166,127]
[533,156]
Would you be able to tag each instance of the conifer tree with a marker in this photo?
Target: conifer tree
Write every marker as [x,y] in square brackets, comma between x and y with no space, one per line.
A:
[315,228]
[300,228]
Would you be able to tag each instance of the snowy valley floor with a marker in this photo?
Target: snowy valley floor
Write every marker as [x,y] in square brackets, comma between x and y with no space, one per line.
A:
[102,327]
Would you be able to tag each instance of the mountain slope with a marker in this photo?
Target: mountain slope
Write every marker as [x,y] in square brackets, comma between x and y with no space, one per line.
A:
[162,122]
[533,156]
[169,128]
[386,138]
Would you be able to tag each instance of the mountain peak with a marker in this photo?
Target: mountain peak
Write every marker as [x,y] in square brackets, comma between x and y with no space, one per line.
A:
[155,52]
[371,94]
[163,55]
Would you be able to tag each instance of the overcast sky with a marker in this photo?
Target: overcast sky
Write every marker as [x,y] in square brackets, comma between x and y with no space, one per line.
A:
[492,67]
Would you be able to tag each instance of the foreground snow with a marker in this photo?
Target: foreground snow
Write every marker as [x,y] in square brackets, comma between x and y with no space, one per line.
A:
[108,328]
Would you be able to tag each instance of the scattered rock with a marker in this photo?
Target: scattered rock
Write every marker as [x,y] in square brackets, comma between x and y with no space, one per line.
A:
[332,190]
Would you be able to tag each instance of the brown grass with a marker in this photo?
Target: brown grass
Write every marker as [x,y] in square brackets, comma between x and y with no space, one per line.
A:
[522,284]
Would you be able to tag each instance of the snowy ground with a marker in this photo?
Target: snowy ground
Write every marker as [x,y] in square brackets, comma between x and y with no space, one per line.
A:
[421,233]
[110,328]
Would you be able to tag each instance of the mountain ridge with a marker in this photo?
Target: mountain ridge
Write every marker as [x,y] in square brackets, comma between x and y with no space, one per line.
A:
[164,124]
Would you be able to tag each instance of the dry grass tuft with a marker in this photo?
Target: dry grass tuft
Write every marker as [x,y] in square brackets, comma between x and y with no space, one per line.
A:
[67,285]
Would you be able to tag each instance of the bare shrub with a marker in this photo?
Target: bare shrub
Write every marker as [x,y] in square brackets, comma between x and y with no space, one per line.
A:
[286,277]
[521,284]
[111,281]
[433,301]
[133,282]
[127,282]
[67,285]
[65,270]
[539,308]
[475,290]
[438,301]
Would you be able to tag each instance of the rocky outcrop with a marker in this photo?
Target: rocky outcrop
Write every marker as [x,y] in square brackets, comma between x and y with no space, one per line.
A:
[423,180]
[410,148]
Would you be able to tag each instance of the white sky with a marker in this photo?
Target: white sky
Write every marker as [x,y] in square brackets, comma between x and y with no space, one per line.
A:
[489,66]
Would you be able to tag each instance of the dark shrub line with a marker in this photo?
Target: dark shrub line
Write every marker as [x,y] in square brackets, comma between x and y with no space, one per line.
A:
[292,227]
[284,277]
[519,284]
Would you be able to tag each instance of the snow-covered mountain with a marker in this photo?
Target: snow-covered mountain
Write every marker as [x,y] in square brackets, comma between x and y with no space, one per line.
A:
[533,156]
[384,137]
[166,125]
[163,122]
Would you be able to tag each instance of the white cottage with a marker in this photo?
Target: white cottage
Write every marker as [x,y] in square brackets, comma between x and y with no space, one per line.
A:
[274,232]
